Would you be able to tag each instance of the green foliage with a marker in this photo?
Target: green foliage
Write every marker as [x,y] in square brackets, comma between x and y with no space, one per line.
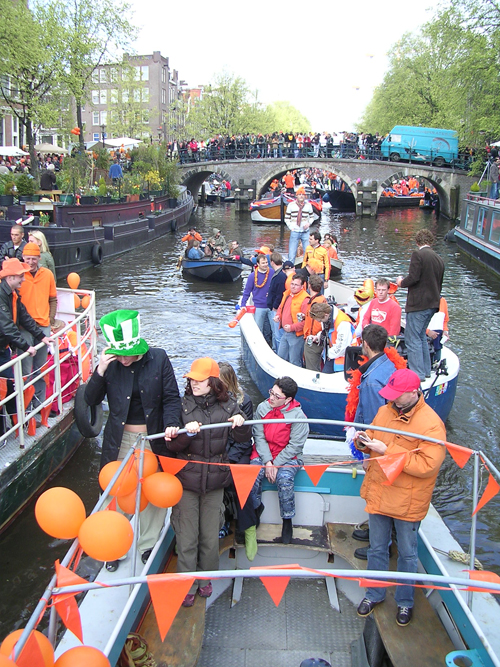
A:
[76,173]
[102,190]
[25,185]
[150,163]
[287,118]
[102,159]
[479,163]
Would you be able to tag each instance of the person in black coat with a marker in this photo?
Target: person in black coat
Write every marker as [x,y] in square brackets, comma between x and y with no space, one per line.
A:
[274,296]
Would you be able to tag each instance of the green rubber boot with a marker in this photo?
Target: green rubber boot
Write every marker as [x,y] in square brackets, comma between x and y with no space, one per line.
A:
[251,542]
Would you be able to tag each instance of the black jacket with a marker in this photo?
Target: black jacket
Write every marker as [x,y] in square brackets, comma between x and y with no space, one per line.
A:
[209,445]
[7,251]
[239,452]
[160,399]
[9,332]
[276,290]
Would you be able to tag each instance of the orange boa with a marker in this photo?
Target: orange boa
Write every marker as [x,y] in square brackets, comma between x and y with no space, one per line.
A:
[355,380]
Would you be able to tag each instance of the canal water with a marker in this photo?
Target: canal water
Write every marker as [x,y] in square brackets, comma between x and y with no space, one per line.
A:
[189,319]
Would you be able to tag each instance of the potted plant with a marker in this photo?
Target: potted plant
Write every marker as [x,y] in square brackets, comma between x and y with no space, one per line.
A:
[25,187]
[9,190]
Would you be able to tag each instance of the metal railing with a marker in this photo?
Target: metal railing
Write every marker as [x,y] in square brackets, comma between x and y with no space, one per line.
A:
[83,351]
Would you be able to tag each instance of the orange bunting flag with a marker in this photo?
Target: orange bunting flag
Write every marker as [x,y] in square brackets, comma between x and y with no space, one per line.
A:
[167,594]
[244,477]
[276,586]
[483,575]
[392,465]
[171,465]
[491,490]
[459,454]
[31,654]
[112,505]
[374,583]
[316,472]
[65,603]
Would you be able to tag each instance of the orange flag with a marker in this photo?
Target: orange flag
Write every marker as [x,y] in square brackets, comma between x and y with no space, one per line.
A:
[491,490]
[316,472]
[112,505]
[459,454]
[31,654]
[244,477]
[167,594]
[276,586]
[483,575]
[374,583]
[171,465]
[65,603]
[392,465]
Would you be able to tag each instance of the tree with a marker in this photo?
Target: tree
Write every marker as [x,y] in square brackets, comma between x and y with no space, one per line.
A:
[287,118]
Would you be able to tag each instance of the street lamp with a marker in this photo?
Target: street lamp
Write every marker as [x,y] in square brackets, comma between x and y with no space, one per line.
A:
[103,135]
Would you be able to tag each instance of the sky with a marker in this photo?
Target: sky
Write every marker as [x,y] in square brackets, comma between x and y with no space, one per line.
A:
[325,58]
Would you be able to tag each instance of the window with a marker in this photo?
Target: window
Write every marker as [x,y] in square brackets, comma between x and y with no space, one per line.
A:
[113,74]
[113,96]
[163,96]
[469,218]
[96,136]
[145,95]
[103,75]
[164,75]
[145,73]
[103,97]
[2,131]
[5,83]
[104,117]
[481,222]
[145,116]
[137,95]
[495,228]
[95,97]
[95,118]
[95,76]
[125,95]
[15,124]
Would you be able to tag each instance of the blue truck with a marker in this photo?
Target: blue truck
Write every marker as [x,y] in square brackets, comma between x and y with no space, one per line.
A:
[420,144]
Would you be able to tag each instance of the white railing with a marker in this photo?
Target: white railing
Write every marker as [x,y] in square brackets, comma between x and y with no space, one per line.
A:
[83,349]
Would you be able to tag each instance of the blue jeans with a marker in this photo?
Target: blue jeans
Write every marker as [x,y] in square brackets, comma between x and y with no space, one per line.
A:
[276,331]
[494,190]
[378,554]
[285,484]
[419,358]
[262,321]
[291,348]
[295,237]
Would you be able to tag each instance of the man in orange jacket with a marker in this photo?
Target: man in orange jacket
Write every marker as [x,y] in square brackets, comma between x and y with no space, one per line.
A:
[291,316]
[405,502]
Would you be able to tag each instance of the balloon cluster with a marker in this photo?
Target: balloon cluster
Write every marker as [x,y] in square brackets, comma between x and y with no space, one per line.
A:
[80,656]
[81,300]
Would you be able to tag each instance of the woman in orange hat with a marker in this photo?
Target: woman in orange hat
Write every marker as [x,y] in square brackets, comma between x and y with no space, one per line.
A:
[196,517]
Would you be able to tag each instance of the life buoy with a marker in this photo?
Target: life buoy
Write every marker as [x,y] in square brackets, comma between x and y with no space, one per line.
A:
[88,418]
[96,254]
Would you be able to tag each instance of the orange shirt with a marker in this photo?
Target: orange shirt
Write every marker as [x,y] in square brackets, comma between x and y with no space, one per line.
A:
[35,292]
[190,237]
[289,180]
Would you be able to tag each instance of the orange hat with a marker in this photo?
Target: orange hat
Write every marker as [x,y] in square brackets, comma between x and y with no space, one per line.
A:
[300,190]
[31,249]
[263,250]
[202,369]
[13,267]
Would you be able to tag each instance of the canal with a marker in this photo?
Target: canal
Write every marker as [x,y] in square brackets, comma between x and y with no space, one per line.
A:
[189,319]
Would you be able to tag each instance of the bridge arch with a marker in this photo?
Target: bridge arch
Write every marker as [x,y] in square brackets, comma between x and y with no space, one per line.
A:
[279,170]
[195,177]
[430,175]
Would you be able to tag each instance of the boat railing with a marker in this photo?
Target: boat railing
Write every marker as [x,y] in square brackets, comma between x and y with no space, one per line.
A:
[75,342]
[481,199]
[428,579]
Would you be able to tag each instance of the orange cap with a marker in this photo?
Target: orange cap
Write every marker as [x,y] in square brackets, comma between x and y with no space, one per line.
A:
[263,250]
[300,190]
[202,369]
[31,249]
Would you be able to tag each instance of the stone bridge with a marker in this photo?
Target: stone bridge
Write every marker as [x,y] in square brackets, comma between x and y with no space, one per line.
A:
[366,178]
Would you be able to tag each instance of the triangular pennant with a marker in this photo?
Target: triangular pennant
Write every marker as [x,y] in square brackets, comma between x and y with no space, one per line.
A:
[491,490]
[112,505]
[70,614]
[31,654]
[171,465]
[65,577]
[459,454]
[483,575]
[244,477]
[392,465]
[275,586]
[373,583]
[167,595]
[316,472]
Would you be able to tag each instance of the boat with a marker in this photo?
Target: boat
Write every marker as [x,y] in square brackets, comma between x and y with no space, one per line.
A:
[303,610]
[30,455]
[83,236]
[323,396]
[336,265]
[478,234]
[212,270]
[272,208]
[343,201]
[401,201]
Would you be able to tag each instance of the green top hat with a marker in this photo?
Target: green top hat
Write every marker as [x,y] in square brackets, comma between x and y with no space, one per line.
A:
[122,329]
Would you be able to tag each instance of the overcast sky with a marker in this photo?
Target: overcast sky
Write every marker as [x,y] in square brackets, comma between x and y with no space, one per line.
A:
[323,58]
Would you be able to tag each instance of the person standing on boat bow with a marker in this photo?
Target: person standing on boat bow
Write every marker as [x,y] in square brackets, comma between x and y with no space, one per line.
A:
[257,285]
[299,217]
[405,502]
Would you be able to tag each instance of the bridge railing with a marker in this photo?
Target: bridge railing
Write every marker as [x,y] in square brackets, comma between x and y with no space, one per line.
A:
[345,151]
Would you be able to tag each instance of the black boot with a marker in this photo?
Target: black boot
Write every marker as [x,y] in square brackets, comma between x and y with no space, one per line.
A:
[287,531]
[258,513]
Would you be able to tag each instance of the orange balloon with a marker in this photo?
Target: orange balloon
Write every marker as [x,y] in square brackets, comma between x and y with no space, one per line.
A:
[85,301]
[60,512]
[77,301]
[6,662]
[73,280]
[11,640]
[82,656]
[150,464]
[127,503]
[124,485]
[106,535]
[162,489]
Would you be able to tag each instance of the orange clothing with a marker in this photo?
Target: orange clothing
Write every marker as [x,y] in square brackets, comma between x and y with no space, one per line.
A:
[191,237]
[291,305]
[289,180]
[332,253]
[443,308]
[35,293]
[320,254]
[312,327]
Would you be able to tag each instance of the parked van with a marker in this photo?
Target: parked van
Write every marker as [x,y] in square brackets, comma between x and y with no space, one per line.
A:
[420,144]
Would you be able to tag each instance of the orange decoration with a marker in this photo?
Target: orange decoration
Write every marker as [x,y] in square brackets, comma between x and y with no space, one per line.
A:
[106,535]
[315,472]
[162,489]
[126,482]
[127,503]
[77,301]
[150,464]
[8,644]
[244,477]
[491,490]
[60,512]
[6,662]
[392,465]
[459,454]
[85,301]
[82,656]
[171,465]
[73,280]
[167,593]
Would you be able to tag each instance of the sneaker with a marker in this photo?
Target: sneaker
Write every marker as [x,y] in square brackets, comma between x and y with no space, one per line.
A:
[145,555]
[188,600]
[366,607]
[258,513]
[205,591]
[112,565]
[403,617]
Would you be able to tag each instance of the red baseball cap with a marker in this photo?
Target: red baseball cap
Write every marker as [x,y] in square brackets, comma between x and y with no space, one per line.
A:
[400,382]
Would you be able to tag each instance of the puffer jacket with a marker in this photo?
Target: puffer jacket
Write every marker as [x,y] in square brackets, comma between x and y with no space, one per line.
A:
[409,496]
[209,445]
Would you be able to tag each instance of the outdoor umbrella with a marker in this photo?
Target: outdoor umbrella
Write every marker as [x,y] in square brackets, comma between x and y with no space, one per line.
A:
[123,141]
[11,151]
[50,148]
